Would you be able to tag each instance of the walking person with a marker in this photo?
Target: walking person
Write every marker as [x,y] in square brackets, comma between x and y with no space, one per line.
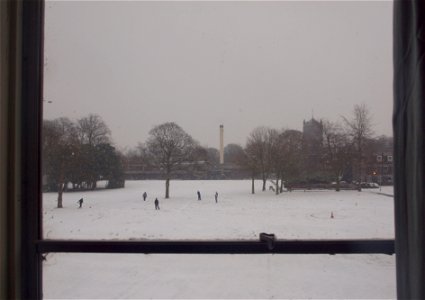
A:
[144,196]
[156,204]
[80,202]
[216,197]
[199,195]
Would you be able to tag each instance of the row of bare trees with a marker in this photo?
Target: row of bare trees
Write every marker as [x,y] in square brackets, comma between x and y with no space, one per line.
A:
[269,154]
[280,155]
[80,153]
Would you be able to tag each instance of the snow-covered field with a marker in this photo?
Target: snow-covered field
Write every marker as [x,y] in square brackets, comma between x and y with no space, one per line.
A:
[122,214]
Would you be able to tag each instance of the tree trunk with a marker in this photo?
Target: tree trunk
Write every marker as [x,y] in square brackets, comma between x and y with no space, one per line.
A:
[277,185]
[60,186]
[281,185]
[60,192]
[252,185]
[167,188]
[337,188]
[264,183]
[359,186]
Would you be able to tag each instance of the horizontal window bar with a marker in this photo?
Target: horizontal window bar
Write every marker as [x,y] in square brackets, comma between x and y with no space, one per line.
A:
[221,247]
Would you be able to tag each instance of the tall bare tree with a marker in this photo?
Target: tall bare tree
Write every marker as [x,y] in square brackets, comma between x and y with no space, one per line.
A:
[93,131]
[291,153]
[275,155]
[169,146]
[338,150]
[257,149]
[59,148]
[249,161]
[359,127]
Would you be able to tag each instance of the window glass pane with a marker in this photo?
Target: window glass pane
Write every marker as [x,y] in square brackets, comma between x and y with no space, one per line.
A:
[94,276]
[190,102]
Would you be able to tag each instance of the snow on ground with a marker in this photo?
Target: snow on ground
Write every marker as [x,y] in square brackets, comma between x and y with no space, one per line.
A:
[122,214]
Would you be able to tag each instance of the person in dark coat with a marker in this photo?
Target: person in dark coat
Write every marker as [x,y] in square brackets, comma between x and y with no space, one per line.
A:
[144,196]
[216,197]
[199,195]
[80,202]
[156,204]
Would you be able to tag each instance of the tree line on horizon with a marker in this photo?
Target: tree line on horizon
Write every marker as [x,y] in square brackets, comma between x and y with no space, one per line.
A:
[82,152]
[269,154]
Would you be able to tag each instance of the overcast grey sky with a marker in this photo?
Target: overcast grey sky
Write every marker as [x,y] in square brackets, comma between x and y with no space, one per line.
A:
[202,64]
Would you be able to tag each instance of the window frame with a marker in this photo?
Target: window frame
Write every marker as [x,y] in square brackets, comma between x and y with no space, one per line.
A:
[32,243]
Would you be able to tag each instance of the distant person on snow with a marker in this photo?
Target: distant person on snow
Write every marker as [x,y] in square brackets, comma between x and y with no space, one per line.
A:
[156,204]
[199,195]
[80,202]
[144,196]
[216,197]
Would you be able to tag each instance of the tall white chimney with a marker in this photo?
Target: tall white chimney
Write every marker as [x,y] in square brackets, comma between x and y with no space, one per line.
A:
[221,144]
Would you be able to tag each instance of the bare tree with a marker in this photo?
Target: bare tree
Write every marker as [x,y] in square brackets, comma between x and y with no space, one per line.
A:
[169,146]
[257,149]
[338,150]
[291,156]
[359,127]
[282,155]
[248,160]
[59,146]
[93,131]
[275,155]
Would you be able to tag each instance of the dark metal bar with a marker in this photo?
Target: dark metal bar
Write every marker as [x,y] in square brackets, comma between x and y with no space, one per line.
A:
[30,169]
[9,89]
[220,247]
